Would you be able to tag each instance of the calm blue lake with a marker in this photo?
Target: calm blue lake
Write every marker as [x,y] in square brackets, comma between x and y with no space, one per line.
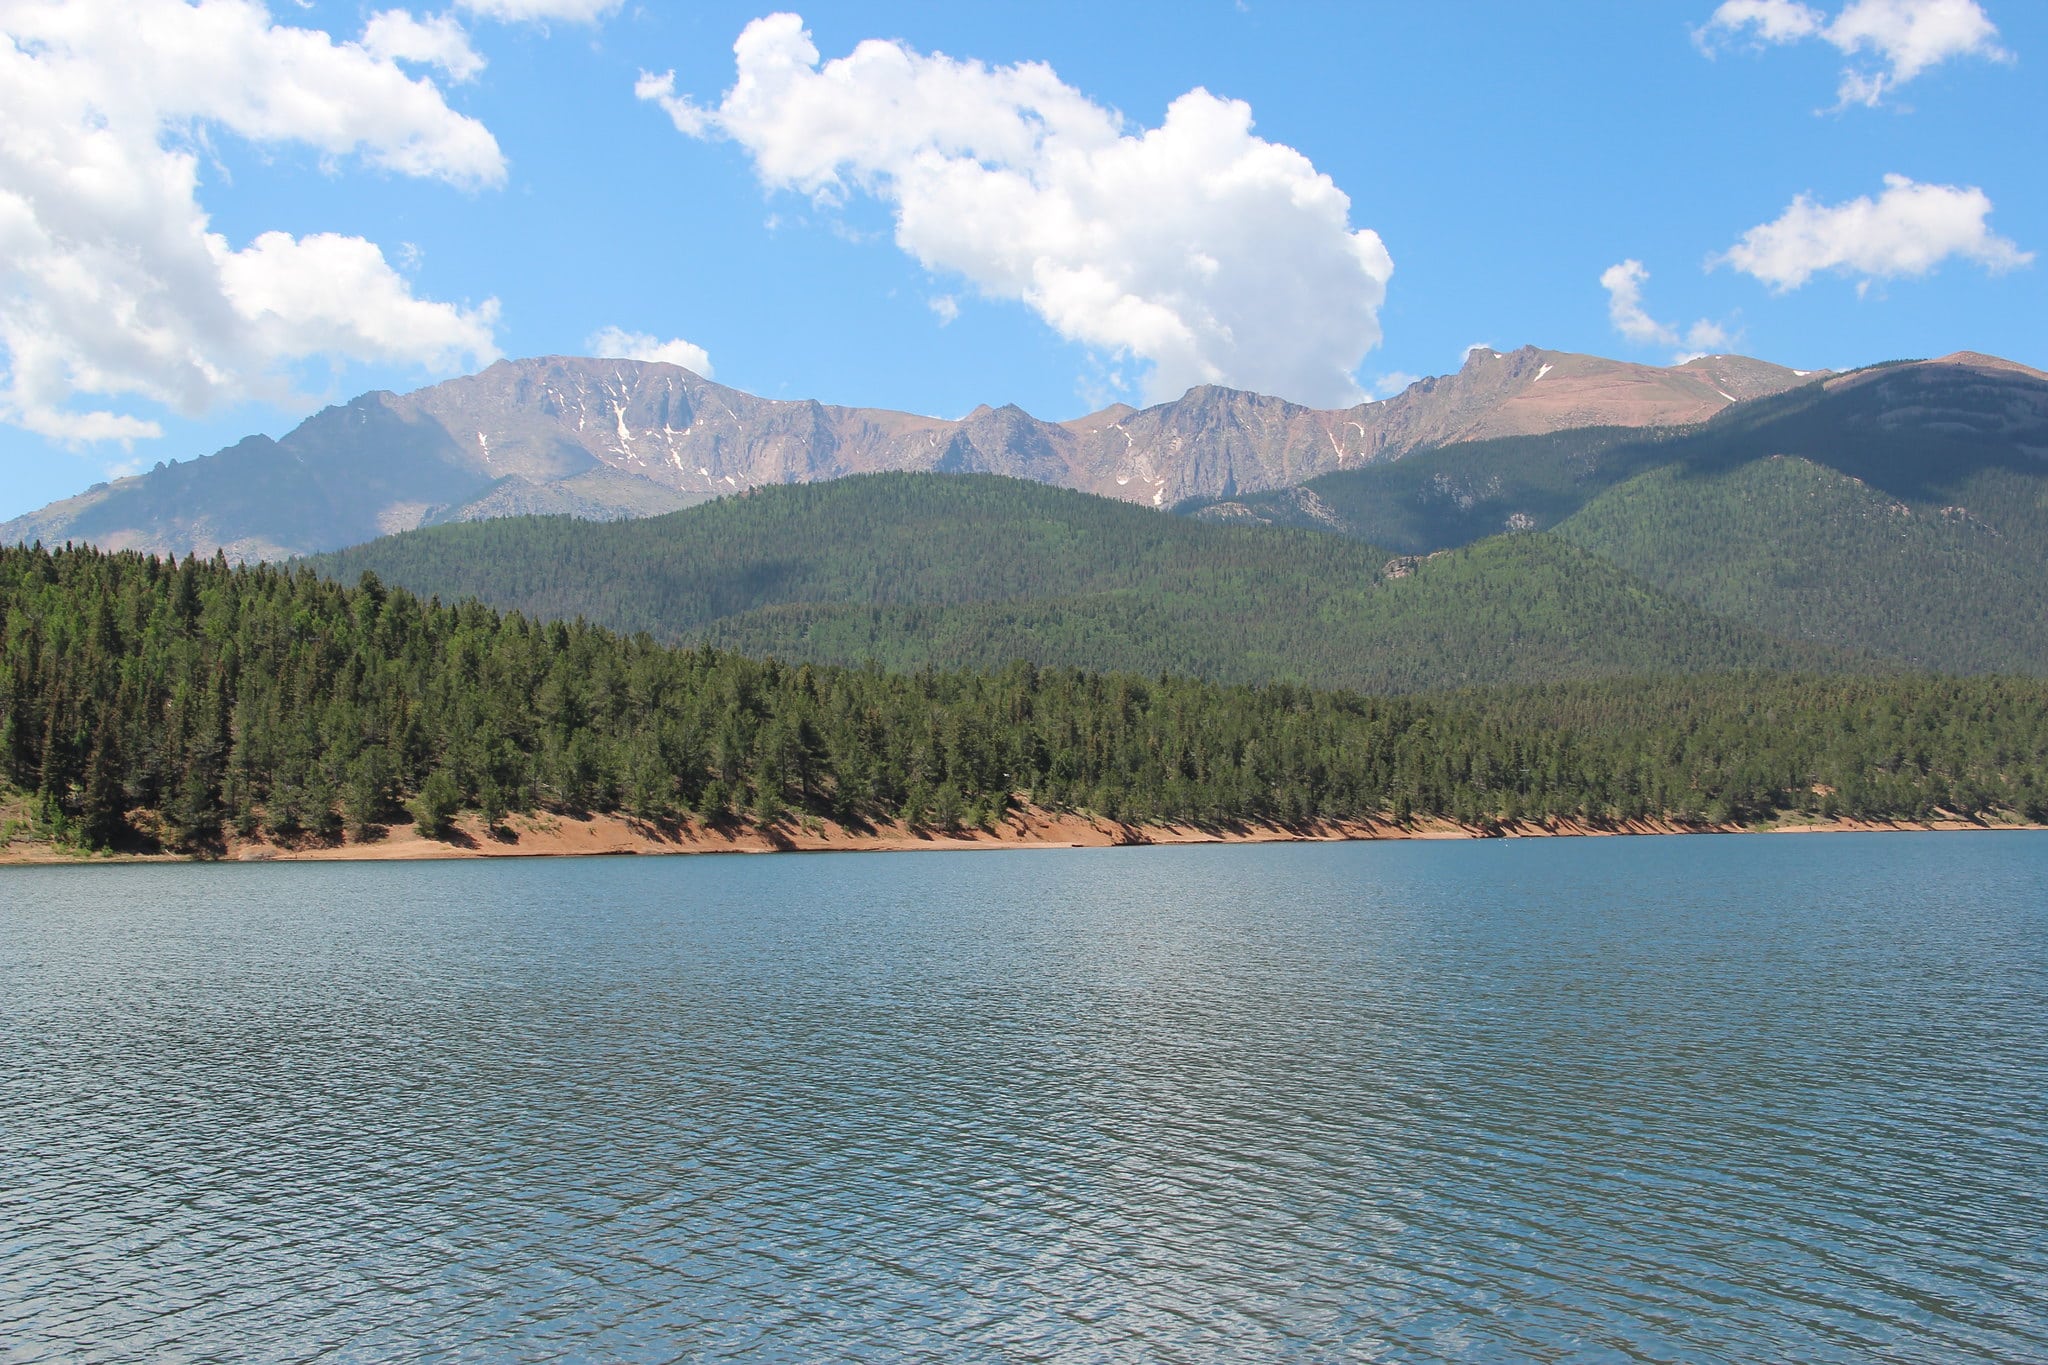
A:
[1735,1098]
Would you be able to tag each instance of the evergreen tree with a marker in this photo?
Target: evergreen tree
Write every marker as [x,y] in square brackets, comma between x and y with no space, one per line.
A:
[437,803]
[250,699]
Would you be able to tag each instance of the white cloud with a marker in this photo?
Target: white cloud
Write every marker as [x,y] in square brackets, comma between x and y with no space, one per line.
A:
[1902,38]
[1705,338]
[536,11]
[1212,254]
[1775,21]
[1387,385]
[1624,285]
[325,294]
[161,64]
[945,307]
[80,428]
[614,343]
[1624,282]
[395,35]
[1908,230]
[112,283]
[1909,36]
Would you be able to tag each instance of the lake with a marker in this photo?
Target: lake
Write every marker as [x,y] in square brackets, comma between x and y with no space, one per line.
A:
[1700,1098]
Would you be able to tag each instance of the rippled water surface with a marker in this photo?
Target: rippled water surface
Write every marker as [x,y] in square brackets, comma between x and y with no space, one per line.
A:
[1745,1098]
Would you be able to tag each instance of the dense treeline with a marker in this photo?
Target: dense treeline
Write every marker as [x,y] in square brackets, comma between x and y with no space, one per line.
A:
[1806,551]
[888,539]
[1510,609]
[144,699]
[957,571]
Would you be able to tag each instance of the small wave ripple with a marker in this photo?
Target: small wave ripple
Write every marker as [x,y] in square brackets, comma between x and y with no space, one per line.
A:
[1643,1100]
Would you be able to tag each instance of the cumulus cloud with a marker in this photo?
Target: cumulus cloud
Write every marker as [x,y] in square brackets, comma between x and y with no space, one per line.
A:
[534,11]
[1624,283]
[1703,338]
[1907,230]
[944,307]
[395,35]
[1196,247]
[1774,21]
[614,343]
[1896,39]
[325,294]
[112,283]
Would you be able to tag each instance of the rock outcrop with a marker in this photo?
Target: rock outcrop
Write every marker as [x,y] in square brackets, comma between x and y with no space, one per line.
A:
[618,438]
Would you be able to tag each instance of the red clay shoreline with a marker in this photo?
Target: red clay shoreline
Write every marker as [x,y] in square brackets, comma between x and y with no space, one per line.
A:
[555,835]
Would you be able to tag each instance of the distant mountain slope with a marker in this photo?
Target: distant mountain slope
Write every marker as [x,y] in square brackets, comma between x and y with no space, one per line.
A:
[1901,510]
[612,438]
[1921,430]
[1806,551]
[1456,494]
[918,570]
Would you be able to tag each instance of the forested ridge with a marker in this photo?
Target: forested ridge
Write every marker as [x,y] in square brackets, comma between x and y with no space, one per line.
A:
[975,571]
[889,539]
[148,701]
[1803,550]
[1510,609]
[1901,513]
[1929,436]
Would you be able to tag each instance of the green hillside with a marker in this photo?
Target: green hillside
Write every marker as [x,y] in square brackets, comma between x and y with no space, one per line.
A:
[1926,433]
[958,571]
[1806,551]
[1901,512]
[891,539]
[1511,609]
[1454,495]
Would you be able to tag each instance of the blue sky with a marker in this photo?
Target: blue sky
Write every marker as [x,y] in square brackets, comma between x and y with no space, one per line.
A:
[1506,158]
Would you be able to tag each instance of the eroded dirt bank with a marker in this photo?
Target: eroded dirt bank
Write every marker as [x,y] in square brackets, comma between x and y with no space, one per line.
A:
[551,835]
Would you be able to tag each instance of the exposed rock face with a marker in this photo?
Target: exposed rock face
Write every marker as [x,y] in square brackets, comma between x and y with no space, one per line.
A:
[613,438]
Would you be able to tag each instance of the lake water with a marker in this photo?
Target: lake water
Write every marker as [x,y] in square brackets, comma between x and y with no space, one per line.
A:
[1741,1098]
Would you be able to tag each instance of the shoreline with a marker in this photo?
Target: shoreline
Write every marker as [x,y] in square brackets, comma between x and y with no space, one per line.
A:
[548,835]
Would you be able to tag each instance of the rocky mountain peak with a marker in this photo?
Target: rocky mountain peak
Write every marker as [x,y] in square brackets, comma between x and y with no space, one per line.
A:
[600,437]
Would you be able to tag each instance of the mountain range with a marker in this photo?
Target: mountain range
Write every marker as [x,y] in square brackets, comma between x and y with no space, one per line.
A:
[1892,518]
[612,439]
[1535,516]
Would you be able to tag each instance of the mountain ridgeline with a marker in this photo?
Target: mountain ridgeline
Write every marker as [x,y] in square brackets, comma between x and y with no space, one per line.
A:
[1895,517]
[605,439]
